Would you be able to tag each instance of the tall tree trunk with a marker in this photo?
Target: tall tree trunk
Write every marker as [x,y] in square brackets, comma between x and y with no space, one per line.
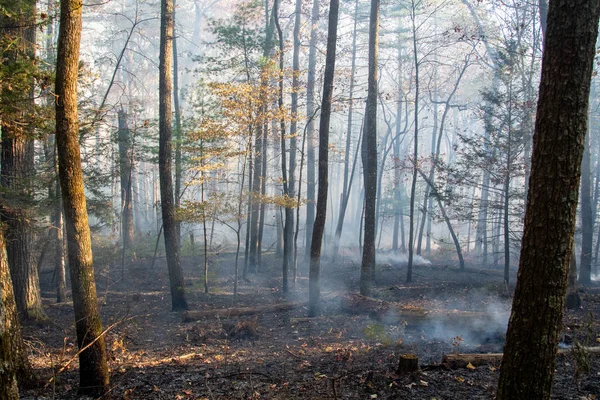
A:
[398,214]
[370,155]
[13,356]
[178,298]
[413,186]
[314,284]
[17,25]
[178,127]
[587,218]
[310,128]
[538,306]
[347,183]
[126,172]
[93,368]
[288,193]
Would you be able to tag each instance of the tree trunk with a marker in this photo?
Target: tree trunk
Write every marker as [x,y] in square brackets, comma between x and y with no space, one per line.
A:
[17,26]
[587,218]
[370,155]
[413,186]
[288,229]
[310,128]
[93,368]
[126,171]
[178,298]
[314,284]
[178,127]
[13,357]
[538,305]
[347,184]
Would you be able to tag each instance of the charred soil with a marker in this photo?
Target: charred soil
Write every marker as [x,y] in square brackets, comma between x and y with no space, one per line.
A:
[283,354]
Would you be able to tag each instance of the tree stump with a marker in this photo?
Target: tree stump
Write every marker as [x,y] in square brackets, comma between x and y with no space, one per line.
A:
[407,364]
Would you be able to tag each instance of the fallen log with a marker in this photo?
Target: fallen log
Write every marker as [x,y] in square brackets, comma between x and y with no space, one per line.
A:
[455,361]
[390,312]
[462,360]
[190,316]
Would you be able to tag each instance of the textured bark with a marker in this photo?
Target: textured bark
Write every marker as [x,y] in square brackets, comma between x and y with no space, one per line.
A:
[538,305]
[13,358]
[93,369]
[370,155]
[178,298]
[16,102]
[314,284]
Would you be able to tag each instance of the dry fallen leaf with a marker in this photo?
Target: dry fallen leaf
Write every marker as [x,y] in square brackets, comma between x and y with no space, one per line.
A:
[423,383]
[460,379]
[471,366]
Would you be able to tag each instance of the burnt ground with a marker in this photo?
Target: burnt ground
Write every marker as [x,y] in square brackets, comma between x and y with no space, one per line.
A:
[154,355]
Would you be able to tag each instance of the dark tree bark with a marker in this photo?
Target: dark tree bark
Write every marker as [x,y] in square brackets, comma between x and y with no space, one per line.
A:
[413,186]
[558,145]
[13,356]
[370,155]
[314,284]
[125,172]
[93,369]
[17,27]
[288,229]
[178,298]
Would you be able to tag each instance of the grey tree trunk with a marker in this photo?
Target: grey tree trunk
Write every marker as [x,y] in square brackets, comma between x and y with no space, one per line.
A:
[370,155]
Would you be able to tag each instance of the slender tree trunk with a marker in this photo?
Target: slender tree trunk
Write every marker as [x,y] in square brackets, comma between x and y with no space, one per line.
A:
[126,171]
[93,368]
[178,298]
[370,155]
[538,306]
[288,193]
[413,186]
[347,183]
[314,285]
[310,129]
[587,218]
[178,127]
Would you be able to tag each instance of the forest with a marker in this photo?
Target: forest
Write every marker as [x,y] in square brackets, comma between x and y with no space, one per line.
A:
[294,199]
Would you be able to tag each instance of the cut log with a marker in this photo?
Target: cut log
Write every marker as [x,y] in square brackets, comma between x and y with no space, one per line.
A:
[407,364]
[462,360]
[190,316]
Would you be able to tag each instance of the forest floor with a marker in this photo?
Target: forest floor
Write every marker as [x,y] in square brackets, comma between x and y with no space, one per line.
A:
[279,355]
